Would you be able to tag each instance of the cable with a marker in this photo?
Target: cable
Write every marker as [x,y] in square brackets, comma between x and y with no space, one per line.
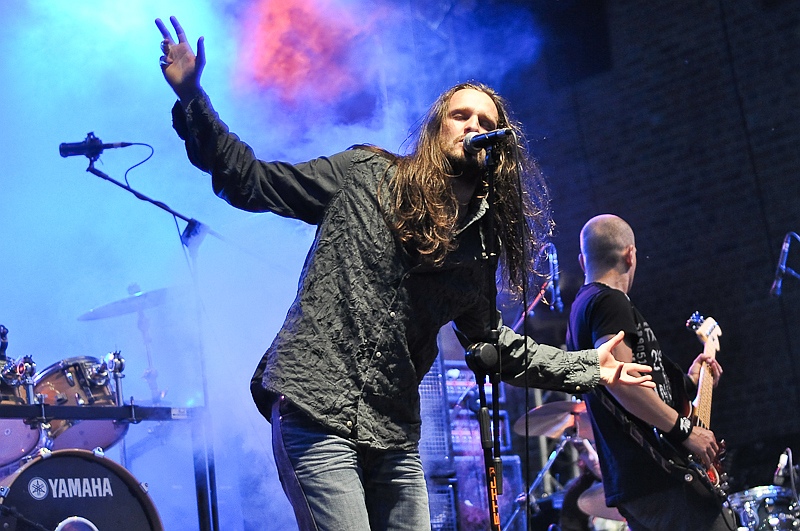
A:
[141,162]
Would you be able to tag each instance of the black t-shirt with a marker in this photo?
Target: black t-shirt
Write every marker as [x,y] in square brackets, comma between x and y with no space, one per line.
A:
[628,471]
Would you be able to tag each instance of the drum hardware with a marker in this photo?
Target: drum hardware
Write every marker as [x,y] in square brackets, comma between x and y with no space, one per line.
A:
[81,381]
[137,302]
[127,414]
[767,508]
[568,437]
[20,373]
[566,420]
[3,342]
[114,362]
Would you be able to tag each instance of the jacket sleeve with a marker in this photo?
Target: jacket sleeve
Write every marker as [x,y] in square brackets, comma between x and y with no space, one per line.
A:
[299,191]
[526,363]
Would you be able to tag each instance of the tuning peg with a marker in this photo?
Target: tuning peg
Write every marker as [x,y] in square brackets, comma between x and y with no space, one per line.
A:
[695,321]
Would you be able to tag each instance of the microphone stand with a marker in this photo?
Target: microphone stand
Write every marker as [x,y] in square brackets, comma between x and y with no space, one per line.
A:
[484,360]
[192,222]
[205,469]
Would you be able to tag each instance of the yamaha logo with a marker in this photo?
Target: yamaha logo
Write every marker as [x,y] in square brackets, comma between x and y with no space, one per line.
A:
[39,489]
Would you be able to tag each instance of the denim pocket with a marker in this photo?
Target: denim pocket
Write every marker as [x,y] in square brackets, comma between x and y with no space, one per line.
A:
[288,410]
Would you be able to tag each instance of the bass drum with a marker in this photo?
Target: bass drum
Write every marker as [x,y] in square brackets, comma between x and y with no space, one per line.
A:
[75,489]
[769,508]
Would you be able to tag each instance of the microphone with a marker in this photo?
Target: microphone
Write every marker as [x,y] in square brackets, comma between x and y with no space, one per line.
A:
[474,142]
[557,303]
[775,290]
[91,147]
[780,472]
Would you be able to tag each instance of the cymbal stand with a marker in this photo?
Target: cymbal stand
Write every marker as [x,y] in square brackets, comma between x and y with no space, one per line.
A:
[150,373]
[529,498]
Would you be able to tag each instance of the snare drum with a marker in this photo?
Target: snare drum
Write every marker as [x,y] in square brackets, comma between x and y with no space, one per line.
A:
[17,439]
[79,382]
[62,489]
[769,508]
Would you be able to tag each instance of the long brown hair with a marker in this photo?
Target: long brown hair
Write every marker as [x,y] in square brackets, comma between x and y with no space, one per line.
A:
[423,209]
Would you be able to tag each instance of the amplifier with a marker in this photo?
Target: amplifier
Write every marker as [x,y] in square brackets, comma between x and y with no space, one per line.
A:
[442,501]
[462,389]
[435,448]
[465,432]
[473,502]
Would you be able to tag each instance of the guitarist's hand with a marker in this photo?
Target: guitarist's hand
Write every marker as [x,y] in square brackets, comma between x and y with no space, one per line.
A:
[713,364]
[703,445]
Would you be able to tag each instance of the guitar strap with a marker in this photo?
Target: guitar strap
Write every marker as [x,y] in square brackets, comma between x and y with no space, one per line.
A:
[690,473]
[635,432]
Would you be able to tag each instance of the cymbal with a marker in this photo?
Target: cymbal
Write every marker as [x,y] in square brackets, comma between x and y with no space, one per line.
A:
[553,418]
[593,502]
[137,301]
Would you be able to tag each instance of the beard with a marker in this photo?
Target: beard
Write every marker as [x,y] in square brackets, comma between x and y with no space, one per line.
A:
[465,165]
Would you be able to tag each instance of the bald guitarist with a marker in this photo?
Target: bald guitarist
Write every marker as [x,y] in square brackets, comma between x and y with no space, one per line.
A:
[649,497]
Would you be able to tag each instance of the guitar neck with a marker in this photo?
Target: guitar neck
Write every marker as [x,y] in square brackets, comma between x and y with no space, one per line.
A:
[701,410]
[708,332]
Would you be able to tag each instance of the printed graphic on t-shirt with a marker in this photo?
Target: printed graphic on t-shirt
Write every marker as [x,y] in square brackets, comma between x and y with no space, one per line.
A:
[648,352]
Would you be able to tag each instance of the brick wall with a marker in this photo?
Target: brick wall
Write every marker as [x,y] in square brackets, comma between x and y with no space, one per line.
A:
[692,136]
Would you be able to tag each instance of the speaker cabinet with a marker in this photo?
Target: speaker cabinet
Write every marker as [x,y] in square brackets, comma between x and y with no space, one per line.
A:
[473,502]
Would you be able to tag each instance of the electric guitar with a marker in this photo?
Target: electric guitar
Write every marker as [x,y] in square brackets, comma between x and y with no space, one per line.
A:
[708,332]
[707,482]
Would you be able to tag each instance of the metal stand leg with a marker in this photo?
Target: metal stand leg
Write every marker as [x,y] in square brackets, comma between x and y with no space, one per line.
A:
[538,481]
[200,473]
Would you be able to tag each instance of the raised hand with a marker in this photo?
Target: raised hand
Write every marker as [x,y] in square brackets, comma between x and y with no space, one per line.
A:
[179,64]
[614,372]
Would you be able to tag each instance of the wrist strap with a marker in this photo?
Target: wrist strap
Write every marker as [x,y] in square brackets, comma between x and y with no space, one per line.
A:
[680,431]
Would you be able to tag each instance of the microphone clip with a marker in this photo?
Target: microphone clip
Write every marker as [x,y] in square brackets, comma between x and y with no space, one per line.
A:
[93,147]
[482,358]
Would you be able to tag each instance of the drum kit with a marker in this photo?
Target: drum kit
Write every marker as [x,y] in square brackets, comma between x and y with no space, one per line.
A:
[568,421]
[764,508]
[53,471]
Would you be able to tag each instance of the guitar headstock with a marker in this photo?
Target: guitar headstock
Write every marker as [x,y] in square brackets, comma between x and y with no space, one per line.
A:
[706,328]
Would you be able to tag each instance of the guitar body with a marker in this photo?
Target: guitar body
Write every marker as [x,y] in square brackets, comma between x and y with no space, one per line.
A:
[713,475]
[708,482]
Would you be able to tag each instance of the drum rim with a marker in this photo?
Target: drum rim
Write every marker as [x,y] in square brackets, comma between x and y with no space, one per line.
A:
[123,473]
[755,493]
[59,366]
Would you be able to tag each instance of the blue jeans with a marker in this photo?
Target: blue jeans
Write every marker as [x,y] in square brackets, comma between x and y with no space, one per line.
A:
[335,485]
